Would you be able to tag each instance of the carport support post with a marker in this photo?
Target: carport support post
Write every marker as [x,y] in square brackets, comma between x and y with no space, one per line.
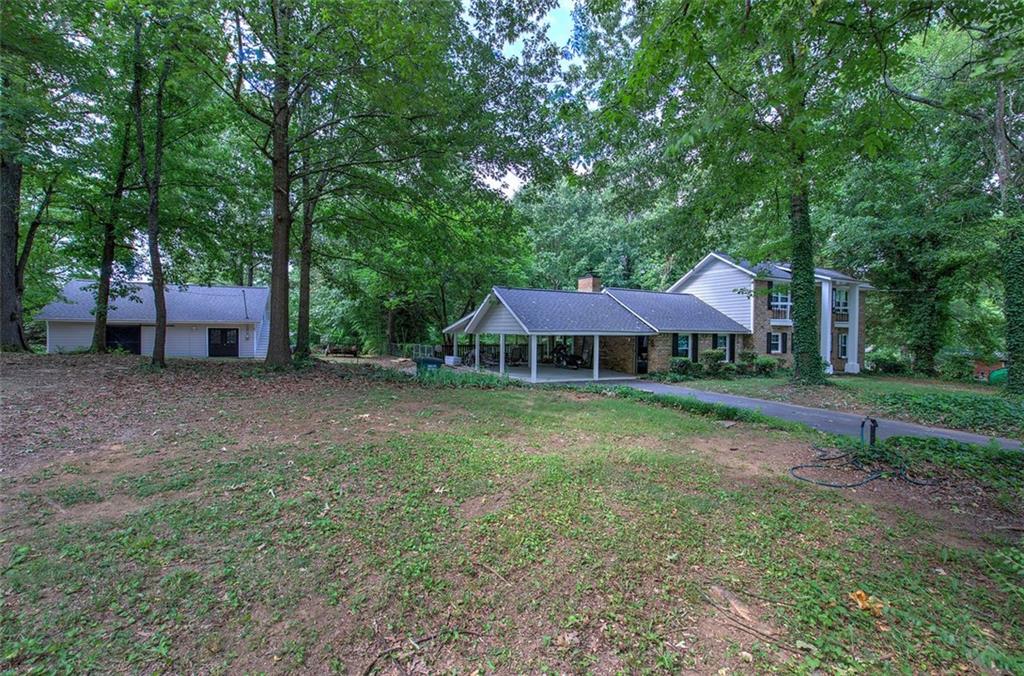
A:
[501,354]
[533,358]
[476,351]
[597,355]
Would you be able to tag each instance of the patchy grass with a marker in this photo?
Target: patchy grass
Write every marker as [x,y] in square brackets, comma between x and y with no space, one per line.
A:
[350,522]
[963,406]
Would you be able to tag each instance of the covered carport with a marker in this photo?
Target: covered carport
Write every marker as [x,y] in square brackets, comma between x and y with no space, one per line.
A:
[546,317]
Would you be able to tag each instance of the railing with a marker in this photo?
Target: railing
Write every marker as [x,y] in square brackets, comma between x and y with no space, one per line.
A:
[781,311]
[840,314]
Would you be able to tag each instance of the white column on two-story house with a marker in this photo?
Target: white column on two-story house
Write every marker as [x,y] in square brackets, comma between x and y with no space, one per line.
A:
[825,340]
[853,332]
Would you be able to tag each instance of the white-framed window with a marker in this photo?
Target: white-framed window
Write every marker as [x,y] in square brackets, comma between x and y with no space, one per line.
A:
[682,345]
[781,298]
[722,343]
[775,344]
[842,345]
[840,300]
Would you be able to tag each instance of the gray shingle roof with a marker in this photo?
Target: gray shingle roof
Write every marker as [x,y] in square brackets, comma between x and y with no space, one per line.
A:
[676,312]
[199,304]
[782,270]
[549,311]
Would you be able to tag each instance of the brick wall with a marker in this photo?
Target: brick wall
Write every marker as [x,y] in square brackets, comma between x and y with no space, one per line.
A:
[618,353]
[659,355]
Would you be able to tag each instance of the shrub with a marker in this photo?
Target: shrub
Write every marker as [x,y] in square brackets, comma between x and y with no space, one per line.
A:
[746,363]
[960,410]
[684,366]
[713,362]
[956,365]
[728,370]
[887,361]
[766,366]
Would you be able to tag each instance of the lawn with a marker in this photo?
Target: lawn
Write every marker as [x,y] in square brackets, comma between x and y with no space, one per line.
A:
[217,518]
[965,406]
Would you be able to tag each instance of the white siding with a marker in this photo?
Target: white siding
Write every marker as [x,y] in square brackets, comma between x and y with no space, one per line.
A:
[192,340]
[724,288]
[262,338]
[498,320]
[68,336]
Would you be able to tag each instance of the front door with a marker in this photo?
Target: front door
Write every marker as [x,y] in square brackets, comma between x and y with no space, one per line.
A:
[642,347]
[223,342]
[127,338]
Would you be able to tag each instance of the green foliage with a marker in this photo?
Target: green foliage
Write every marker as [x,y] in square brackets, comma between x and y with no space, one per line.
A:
[1002,416]
[887,361]
[445,377]
[956,365]
[693,405]
[684,366]
[712,359]
[766,366]
[1007,567]
[990,465]
[69,495]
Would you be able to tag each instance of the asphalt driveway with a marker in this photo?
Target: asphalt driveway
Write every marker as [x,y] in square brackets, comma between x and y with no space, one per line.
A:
[825,420]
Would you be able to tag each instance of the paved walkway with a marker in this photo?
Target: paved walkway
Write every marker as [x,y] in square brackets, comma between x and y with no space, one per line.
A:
[819,418]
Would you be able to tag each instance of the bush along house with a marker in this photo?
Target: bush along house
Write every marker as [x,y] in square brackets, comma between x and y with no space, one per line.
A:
[614,333]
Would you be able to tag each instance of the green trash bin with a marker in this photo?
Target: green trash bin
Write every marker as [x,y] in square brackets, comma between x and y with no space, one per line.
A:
[426,364]
[999,376]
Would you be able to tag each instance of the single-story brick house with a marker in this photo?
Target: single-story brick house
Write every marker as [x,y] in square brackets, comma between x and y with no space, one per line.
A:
[202,321]
[721,303]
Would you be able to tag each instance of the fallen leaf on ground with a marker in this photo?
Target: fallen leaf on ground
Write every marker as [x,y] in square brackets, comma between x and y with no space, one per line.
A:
[865,602]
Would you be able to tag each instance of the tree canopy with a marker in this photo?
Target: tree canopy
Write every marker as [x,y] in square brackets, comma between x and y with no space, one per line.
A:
[351,156]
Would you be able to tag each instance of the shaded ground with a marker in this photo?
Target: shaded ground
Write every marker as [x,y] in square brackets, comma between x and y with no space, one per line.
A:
[219,518]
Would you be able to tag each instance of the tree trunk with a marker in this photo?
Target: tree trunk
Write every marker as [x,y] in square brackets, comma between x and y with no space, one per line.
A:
[807,366]
[278,349]
[99,333]
[305,258]
[12,338]
[152,183]
[1013,250]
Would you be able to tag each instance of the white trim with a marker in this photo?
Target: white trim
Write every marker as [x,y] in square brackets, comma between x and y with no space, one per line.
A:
[825,329]
[596,357]
[770,349]
[476,351]
[453,327]
[630,310]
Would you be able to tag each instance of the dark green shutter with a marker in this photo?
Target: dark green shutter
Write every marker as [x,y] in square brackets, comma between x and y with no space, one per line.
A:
[675,344]
[732,347]
[770,285]
[784,346]
[693,346]
[768,343]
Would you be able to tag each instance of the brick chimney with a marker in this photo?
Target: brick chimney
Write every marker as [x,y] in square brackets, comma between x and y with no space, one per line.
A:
[589,283]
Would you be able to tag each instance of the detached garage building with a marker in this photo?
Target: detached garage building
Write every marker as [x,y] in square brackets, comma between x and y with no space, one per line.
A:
[202,321]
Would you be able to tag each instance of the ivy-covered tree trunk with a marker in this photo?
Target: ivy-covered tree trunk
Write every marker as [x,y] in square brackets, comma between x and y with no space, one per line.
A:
[1013,248]
[807,367]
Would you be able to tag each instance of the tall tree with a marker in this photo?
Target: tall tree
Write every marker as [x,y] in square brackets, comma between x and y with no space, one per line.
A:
[38,86]
[152,177]
[764,102]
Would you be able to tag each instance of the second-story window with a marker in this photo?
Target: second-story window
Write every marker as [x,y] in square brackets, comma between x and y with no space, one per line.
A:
[780,299]
[840,300]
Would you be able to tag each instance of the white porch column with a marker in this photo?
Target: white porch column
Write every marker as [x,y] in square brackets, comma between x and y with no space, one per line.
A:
[853,332]
[501,354]
[533,358]
[476,351]
[825,341]
[597,355]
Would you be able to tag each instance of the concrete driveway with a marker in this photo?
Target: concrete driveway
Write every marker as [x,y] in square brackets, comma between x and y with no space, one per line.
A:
[825,420]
